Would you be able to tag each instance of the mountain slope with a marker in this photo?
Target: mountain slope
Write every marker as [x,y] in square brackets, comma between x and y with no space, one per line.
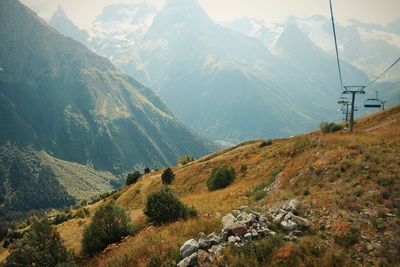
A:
[32,180]
[68,104]
[342,181]
[77,105]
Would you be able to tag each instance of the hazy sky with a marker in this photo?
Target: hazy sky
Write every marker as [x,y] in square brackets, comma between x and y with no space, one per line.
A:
[82,12]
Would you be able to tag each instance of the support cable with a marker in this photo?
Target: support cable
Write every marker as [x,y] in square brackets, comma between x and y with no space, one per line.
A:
[383,73]
[336,45]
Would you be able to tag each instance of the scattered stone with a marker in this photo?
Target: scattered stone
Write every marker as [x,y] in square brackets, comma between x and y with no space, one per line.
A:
[214,239]
[239,228]
[188,261]
[242,208]
[228,220]
[204,244]
[204,258]
[293,205]
[247,236]
[250,218]
[300,221]
[232,239]
[242,216]
[188,248]
[254,233]
[288,225]
[279,218]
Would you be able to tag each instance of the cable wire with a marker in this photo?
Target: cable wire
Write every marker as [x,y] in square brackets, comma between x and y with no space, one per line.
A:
[336,45]
[383,73]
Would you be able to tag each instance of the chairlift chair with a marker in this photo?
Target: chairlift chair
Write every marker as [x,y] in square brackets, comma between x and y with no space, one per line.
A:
[373,102]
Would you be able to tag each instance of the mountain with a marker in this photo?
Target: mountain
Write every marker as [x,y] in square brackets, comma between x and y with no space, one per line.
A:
[370,47]
[119,26]
[33,180]
[64,25]
[58,97]
[346,186]
[228,85]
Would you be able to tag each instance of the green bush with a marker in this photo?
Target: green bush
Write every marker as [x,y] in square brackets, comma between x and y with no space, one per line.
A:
[185,160]
[265,143]
[147,170]
[133,177]
[167,177]
[330,127]
[40,246]
[220,177]
[109,225]
[164,207]
[11,237]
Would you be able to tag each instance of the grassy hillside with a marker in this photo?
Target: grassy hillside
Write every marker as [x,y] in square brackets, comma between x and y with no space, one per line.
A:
[342,182]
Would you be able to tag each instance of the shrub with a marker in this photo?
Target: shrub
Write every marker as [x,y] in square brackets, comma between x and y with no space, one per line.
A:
[11,237]
[167,177]
[265,143]
[331,127]
[164,207]
[40,246]
[133,177]
[109,225]
[185,160]
[220,177]
[147,170]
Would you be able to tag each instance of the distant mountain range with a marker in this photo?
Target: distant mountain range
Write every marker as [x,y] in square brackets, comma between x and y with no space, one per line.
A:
[60,102]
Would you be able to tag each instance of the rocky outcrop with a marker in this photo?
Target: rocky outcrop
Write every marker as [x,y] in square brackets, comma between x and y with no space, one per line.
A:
[241,227]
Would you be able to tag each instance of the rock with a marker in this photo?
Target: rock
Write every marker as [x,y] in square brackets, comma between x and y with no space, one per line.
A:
[232,239]
[242,216]
[188,261]
[293,205]
[250,218]
[216,250]
[300,221]
[297,232]
[288,225]
[235,212]
[224,235]
[204,259]
[263,218]
[204,244]
[239,228]
[214,239]
[254,233]
[279,218]
[202,235]
[242,208]
[188,248]
[288,216]
[247,236]
[228,220]
[218,215]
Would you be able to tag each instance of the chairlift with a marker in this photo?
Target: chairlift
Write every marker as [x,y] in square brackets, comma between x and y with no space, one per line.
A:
[373,102]
[342,100]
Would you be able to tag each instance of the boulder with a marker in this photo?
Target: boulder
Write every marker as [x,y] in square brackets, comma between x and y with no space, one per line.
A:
[248,236]
[250,218]
[228,220]
[288,225]
[204,244]
[204,259]
[239,228]
[242,216]
[300,221]
[188,261]
[293,205]
[232,239]
[214,239]
[188,248]
[279,218]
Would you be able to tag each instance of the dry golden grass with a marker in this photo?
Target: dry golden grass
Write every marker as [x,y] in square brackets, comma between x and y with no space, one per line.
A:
[339,172]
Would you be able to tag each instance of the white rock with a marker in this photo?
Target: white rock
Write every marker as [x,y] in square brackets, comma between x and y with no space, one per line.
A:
[188,261]
[228,220]
[288,225]
[188,248]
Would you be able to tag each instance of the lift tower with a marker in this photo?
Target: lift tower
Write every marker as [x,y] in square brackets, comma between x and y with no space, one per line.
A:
[353,90]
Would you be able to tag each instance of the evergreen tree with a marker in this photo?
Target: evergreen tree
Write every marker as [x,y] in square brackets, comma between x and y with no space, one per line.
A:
[133,177]
[167,177]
